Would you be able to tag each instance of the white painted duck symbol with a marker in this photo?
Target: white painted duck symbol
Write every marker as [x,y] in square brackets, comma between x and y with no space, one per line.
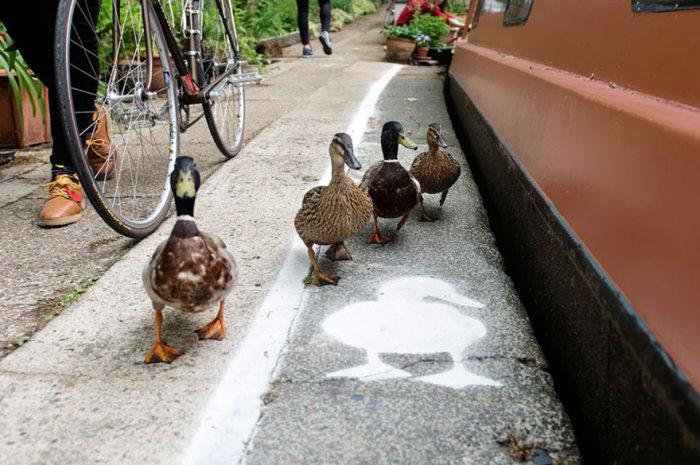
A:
[401,321]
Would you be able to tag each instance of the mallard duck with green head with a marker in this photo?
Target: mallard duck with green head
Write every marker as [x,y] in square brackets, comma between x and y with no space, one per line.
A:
[435,170]
[331,214]
[393,190]
[191,270]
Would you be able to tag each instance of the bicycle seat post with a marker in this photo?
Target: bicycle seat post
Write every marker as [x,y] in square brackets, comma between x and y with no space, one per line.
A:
[193,32]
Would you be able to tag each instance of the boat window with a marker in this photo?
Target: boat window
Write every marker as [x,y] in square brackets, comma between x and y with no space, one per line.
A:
[487,7]
[517,12]
[641,6]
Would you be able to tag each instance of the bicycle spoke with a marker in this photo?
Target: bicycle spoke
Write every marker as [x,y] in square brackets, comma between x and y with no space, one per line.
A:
[139,124]
[220,56]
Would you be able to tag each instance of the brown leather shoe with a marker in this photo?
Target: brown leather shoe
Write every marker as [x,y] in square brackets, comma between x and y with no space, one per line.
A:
[101,157]
[65,203]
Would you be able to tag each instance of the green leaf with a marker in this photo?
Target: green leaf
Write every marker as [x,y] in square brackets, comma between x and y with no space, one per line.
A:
[20,340]
[14,88]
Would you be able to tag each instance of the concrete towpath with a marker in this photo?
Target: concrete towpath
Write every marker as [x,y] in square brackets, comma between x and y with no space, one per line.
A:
[422,354]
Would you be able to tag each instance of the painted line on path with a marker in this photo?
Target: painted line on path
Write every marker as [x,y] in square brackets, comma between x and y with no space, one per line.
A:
[229,419]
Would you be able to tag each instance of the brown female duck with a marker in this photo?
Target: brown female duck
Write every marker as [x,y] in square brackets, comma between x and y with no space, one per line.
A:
[191,270]
[393,190]
[435,169]
[331,214]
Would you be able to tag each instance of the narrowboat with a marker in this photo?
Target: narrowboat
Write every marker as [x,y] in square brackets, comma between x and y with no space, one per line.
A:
[581,123]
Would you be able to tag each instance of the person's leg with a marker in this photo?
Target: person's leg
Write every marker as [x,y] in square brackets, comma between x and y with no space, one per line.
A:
[92,121]
[325,7]
[32,30]
[303,24]
[325,14]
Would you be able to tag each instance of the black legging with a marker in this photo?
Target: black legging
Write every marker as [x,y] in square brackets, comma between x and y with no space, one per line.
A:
[32,25]
[303,18]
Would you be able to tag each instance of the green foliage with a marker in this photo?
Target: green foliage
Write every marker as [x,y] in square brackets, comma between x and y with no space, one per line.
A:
[255,20]
[458,7]
[432,26]
[19,77]
[71,296]
[422,40]
[355,8]
[20,340]
[405,31]
[339,18]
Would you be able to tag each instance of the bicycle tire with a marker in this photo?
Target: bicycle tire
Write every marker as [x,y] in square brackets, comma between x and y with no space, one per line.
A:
[140,115]
[389,17]
[220,52]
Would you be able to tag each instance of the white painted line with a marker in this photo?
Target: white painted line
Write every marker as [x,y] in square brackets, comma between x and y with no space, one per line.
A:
[229,419]
[359,123]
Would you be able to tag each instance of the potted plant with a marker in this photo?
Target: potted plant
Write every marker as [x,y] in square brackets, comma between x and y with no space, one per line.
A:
[422,45]
[432,26]
[20,92]
[400,42]
[437,29]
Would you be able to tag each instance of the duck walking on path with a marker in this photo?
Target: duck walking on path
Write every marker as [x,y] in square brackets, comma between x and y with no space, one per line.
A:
[393,190]
[435,170]
[191,270]
[331,214]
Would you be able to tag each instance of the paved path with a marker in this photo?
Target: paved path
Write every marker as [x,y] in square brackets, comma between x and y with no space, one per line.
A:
[421,355]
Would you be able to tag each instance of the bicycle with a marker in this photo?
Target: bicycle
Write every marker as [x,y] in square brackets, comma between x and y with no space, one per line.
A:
[393,11]
[112,50]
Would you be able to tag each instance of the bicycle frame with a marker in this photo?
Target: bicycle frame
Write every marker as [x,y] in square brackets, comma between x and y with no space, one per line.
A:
[186,66]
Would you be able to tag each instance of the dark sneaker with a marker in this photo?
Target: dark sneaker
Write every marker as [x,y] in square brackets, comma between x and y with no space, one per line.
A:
[307,53]
[326,42]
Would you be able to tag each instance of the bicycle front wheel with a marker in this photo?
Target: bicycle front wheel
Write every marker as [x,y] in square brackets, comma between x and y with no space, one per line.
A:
[119,108]
[224,107]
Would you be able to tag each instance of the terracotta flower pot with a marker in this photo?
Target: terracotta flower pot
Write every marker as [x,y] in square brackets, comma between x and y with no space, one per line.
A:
[35,130]
[399,49]
[132,71]
[421,51]
[158,81]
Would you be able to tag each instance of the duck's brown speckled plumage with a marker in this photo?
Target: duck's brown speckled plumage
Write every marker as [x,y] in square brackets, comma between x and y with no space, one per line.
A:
[392,189]
[333,213]
[190,271]
[435,170]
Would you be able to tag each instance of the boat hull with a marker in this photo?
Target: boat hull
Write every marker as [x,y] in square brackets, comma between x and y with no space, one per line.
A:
[562,165]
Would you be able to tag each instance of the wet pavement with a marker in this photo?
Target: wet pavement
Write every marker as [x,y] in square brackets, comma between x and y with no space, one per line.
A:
[421,354]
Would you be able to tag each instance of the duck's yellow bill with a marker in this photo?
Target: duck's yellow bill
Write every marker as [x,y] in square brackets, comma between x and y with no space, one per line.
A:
[185,188]
[406,142]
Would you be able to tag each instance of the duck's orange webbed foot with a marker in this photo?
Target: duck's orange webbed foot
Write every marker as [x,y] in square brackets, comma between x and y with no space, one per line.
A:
[378,238]
[216,328]
[338,251]
[426,217]
[321,279]
[403,221]
[162,353]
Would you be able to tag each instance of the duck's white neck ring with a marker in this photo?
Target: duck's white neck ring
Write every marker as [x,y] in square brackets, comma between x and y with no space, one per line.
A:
[185,218]
[391,161]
